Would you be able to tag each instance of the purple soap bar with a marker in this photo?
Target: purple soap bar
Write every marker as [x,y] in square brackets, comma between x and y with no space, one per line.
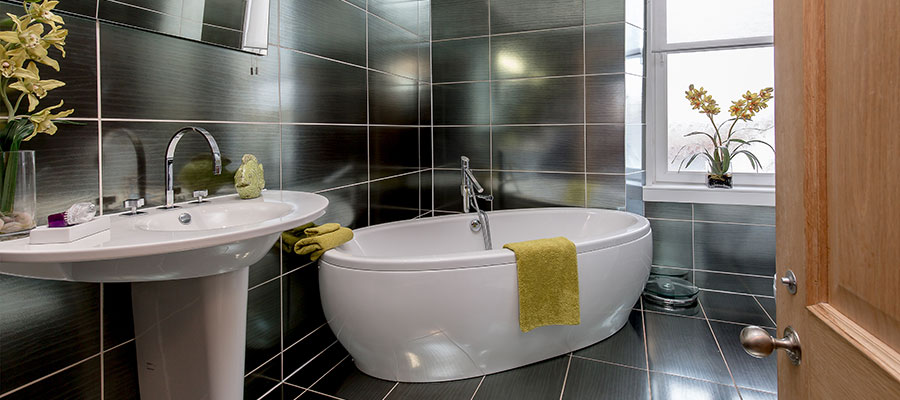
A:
[57,220]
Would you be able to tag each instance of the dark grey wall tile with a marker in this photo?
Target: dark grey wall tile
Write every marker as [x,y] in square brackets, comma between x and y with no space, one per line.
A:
[86,8]
[47,325]
[392,151]
[318,366]
[672,243]
[426,187]
[157,19]
[425,152]
[79,382]
[461,60]
[459,18]
[263,324]
[139,80]
[605,48]
[423,50]
[321,90]
[768,304]
[606,148]
[305,350]
[602,11]
[328,28]
[734,283]
[393,49]
[606,191]
[594,380]
[424,104]
[538,101]
[193,160]
[668,210]
[518,15]
[471,141]
[118,321]
[732,213]
[461,104]
[404,13]
[539,148]
[62,179]
[78,69]
[634,193]
[605,99]
[120,375]
[535,54]
[267,268]
[532,189]
[347,206]
[692,352]
[302,311]
[750,249]
[394,199]
[322,157]
[392,100]
[446,189]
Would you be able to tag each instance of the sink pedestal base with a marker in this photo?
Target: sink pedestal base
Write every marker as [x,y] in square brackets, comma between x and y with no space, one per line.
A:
[190,336]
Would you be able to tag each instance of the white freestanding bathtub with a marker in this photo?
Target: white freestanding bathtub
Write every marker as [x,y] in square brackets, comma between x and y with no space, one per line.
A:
[421,301]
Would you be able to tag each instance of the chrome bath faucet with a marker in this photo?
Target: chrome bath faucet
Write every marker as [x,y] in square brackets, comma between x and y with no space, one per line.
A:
[470,189]
[170,160]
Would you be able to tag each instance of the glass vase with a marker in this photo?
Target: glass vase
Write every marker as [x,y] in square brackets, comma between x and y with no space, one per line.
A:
[18,193]
[718,181]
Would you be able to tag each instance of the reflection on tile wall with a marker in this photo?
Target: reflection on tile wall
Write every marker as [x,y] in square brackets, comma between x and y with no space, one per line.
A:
[718,247]
[340,106]
[545,98]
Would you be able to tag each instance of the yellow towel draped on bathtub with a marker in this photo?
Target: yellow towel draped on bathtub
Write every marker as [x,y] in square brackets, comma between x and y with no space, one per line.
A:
[547,272]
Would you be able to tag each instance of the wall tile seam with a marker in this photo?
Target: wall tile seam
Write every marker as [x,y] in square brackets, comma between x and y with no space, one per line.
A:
[58,371]
[526,171]
[366,68]
[237,122]
[377,16]
[530,31]
[709,222]
[686,269]
[531,78]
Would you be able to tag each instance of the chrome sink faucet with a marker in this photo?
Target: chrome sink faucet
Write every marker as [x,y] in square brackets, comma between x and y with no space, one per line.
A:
[170,160]
[470,189]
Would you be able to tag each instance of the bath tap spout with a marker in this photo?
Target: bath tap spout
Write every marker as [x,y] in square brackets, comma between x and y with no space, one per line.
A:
[470,189]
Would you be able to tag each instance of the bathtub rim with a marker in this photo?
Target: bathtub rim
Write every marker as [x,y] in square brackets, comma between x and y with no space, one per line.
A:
[480,258]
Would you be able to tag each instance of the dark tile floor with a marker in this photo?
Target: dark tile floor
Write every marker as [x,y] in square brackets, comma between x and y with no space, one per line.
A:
[692,354]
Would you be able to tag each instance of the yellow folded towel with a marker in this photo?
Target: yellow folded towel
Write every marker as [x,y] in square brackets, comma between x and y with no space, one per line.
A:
[548,282]
[317,245]
[291,237]
[322,229]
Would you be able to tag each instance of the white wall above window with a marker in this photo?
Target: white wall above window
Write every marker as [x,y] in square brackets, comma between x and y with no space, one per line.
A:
[725,46]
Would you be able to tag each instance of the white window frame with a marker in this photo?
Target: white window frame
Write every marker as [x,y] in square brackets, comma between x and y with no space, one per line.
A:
[688,186]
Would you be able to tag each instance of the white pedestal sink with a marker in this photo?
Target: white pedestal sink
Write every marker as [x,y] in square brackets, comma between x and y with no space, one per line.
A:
[189,282]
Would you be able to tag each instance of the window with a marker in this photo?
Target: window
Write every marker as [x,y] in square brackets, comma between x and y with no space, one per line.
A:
[724,46]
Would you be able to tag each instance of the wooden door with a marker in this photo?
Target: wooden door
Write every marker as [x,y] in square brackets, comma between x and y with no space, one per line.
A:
[837,93]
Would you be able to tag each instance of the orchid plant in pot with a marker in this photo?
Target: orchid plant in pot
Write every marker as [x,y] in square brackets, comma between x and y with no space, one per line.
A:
[725,145]
[25,43]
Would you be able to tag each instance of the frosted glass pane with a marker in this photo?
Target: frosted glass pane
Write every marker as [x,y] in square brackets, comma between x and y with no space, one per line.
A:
[725,74]
[699,20]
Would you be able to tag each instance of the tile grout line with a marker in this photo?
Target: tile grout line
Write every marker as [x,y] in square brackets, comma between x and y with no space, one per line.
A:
[584,97]
[531,78]
[772,320]
[703,221]
[693,250]
[102,351]
[608,362]
[477,387]
[646,348]
[565,377]
[717,272]
[308,362]
[531,31]
[490,108]
[390,391]
[368,131]
[719,347]
[326,373]
[695,317]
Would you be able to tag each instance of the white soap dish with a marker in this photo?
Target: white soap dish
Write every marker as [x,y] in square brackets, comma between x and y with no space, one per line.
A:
[45,235]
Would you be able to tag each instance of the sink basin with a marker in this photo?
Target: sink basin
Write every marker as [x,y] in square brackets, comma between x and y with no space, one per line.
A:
[189,282]
[214,216]
[225,233]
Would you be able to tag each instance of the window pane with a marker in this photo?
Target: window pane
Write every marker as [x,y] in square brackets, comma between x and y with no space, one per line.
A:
[725,74]
[699,20]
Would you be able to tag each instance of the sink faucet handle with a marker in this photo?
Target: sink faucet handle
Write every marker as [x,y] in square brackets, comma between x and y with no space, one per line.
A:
[485,197]
[134,204]
[200,194]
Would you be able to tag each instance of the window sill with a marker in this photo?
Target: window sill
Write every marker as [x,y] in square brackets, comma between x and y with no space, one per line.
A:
[699,193]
